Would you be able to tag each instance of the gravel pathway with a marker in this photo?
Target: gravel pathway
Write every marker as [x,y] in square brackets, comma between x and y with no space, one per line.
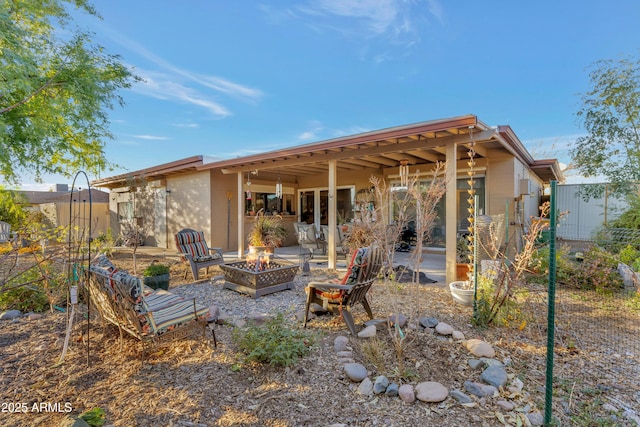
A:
[236,305]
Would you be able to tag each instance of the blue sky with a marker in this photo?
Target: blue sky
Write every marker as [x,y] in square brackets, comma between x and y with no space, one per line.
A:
[228,78]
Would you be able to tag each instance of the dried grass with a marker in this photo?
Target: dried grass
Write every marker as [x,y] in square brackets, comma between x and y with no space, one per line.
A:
[193,384]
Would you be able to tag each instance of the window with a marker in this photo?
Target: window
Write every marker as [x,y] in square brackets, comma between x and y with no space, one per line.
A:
[270,203]
[438,233]
[125,211]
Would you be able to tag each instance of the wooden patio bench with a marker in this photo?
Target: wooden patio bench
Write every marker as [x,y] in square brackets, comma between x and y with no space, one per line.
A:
[155,317]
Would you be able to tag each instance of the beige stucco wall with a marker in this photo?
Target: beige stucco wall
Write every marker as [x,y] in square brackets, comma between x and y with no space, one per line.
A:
[189,204]
[224,212]
[57,215]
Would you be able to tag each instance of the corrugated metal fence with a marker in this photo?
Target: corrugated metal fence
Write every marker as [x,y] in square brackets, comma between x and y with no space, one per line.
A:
[583,218]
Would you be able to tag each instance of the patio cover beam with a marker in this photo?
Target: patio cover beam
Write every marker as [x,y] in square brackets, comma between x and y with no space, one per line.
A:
[377,149]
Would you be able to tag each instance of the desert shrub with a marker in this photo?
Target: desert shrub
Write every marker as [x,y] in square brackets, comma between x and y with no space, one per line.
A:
[630,218]
[24,298]
[484,301]
[103,243]
[598,271]
[34,289]
[274,342]
[373,350]
[629,254]
[539,265]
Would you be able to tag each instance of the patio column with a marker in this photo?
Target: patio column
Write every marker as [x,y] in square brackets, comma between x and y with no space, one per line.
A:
[240,216]
[451,206]
[333,222]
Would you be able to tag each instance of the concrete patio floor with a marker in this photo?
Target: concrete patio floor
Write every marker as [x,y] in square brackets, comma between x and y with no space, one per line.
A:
[433,264]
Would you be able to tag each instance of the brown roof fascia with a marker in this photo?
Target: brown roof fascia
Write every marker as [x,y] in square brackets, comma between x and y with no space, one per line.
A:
[514,144]
[550,165]
[176,166]
[362,138]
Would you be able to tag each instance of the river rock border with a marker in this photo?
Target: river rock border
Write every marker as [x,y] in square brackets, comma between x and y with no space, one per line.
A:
[496,385]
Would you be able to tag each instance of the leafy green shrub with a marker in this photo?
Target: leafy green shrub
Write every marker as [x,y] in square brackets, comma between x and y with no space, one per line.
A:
[565,268]
[273,342]
[630,218]
[103,243]
[31,291]
[24,298]
[629,254]
[598,271]
[94,417]
[155,269]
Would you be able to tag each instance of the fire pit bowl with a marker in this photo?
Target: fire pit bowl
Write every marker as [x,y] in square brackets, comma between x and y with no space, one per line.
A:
[245,277]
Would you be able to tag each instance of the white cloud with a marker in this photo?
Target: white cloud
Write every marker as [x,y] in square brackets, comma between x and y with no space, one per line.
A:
[161,86]
[378,14]
[353,130]
[306,136]
[435,8]
[187,125]
[396,20]
[312,134]
[151,137]
[172,82]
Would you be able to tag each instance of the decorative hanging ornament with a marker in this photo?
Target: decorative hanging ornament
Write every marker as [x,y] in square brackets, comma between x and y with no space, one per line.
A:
[279,188]
[404,172]
[248,187]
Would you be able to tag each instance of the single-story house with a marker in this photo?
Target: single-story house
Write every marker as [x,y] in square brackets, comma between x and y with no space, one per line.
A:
[325,179]
[55,206]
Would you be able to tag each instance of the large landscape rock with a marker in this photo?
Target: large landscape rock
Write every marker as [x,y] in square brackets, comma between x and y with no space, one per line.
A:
[431,391]
[355,371]
[480,348]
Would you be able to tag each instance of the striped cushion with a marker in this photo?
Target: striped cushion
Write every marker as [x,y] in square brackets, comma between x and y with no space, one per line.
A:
[130,286]
[167,318]
[350,278]
[213,256]
[357,262]
[192,243]
[159,299]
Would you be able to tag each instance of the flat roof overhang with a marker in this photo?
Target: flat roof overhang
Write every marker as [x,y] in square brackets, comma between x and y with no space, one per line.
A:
[421,144]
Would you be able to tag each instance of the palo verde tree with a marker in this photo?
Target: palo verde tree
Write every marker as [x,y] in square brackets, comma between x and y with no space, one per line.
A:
[610,114]
[56,87]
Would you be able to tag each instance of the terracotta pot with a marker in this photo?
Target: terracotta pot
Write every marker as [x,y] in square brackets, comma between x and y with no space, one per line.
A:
[462,271]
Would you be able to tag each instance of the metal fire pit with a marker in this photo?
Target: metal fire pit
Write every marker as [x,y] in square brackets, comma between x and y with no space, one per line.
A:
[241,278]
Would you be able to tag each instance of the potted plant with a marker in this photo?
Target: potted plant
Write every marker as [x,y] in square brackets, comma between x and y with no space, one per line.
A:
[462,289]
[267,231]
[462,258]
[156,276]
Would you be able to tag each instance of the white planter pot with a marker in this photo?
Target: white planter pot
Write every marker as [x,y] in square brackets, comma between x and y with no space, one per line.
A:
[461,295]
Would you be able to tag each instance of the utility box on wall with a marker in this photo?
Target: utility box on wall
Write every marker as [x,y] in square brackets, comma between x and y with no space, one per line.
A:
[525,187]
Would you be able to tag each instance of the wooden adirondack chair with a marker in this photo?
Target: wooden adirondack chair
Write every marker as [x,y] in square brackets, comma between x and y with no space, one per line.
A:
[362,272]
[6,235]
[308,237]
[193,247]
[341,244]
